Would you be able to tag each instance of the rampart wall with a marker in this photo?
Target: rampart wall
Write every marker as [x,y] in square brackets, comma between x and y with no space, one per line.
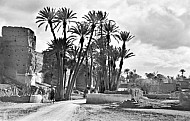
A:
[17,53]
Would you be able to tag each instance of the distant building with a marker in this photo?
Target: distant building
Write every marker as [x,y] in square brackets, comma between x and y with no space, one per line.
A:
[19,60]
[183,82]
[50,72]
[1,58]
[49,68]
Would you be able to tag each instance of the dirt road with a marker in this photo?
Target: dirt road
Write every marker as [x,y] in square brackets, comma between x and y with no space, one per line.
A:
[59,111]
[77,110]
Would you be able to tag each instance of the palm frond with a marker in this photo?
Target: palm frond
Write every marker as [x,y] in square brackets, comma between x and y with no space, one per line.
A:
[63,16]
[41,24]
[46,27]
[102,16]
[81,28]
[91,17]
[47,15]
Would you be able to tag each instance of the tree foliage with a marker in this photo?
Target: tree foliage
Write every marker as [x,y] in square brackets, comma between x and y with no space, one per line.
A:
[94,36]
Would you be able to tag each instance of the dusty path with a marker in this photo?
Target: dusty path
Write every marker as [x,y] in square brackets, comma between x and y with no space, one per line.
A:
[60,111]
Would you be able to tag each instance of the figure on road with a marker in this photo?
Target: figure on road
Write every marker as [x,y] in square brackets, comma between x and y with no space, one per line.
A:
[52,94]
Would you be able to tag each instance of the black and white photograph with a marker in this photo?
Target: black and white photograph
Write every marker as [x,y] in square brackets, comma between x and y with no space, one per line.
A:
[94,60]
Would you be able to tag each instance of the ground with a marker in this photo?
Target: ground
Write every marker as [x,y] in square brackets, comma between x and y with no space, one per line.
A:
[12,111]
[108,112]
[59,111]
[78,110]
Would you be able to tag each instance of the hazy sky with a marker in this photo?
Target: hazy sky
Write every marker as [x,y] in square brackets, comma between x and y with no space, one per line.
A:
[161,28]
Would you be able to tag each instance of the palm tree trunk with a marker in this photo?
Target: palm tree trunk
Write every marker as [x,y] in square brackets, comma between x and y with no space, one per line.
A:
[78,65]
[69,80]
[65,78]
[98,78]
[105,78]
[87,74]
[91,65]
[109,73]
[105,72]
[121,62]
[60,70]
[67,95]
[63,63]
[58,77]
[112,76]
[119,72]
[61,80]
[52,30]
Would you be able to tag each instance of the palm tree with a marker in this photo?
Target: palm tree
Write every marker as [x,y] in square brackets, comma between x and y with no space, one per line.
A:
[73,53]
[56,46]
[100,65]
[82,29]
[100,59]
[102,18]
[110,29]
[92,19]
[47,15]
[124,53]
[68,47]
[114,56]
[63,16]
[182,71]
[92,53]
[150,75]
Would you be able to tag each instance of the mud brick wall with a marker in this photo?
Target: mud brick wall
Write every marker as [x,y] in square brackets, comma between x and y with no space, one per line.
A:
[17,52]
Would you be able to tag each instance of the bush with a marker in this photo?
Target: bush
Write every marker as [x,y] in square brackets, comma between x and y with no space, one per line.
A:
[184,99]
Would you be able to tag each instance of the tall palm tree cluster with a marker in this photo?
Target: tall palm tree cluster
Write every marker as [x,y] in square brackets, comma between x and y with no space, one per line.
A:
[94,50]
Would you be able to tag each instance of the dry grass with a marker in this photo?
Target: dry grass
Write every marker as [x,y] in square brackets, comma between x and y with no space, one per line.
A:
[110,113]
[10,111]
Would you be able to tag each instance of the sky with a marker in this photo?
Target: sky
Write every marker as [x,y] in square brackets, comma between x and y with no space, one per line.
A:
[161,28]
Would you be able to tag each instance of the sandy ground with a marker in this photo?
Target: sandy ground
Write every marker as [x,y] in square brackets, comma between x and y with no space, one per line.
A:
[110,113]
[59,111]
[78,110]
[11,111]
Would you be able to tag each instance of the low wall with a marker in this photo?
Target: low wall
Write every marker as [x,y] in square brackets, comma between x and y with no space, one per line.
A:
[106,98]
[15,99]
[22,99]
[36,99]
[157,96]
[117,92]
